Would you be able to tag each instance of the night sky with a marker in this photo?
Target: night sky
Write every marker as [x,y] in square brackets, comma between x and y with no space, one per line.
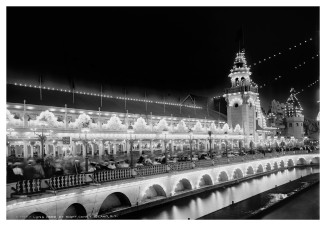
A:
[163,50]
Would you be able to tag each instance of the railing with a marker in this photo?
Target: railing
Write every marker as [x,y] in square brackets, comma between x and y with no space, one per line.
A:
[67,181]
[181,166]
[204,163]
[111,175]
[28,186]
[151,170]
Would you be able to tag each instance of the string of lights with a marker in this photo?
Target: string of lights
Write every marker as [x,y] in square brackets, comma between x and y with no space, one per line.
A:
[107,96]
[298,66]
[281,52]
[308,86]
[304,62]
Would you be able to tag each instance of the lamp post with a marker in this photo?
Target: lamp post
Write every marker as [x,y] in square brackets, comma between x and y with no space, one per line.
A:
[130,130]
[190,142]
[85,131]
[165,132]
[210,142]
[42,138]
[8,143]
[226,147]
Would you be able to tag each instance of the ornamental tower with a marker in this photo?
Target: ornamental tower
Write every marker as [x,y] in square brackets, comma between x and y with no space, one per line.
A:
[242,98]
[294,117]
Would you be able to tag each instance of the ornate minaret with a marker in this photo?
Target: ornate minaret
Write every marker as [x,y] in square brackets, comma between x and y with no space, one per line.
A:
[242,98]
[294,117]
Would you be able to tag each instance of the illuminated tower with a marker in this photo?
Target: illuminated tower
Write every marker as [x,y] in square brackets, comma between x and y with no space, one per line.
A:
[294,117]
[242,98]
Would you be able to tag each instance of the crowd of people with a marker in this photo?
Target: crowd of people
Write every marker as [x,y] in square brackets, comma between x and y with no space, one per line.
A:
[34,168]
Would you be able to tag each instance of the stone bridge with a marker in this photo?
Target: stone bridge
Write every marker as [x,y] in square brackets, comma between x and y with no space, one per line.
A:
[97,199]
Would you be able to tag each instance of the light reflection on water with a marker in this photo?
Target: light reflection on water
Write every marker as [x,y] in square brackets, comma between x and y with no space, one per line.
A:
[199,205]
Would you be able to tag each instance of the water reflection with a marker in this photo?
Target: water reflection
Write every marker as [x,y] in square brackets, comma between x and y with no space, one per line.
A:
[199,205]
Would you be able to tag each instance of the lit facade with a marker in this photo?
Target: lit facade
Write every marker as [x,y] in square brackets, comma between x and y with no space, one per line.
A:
[293,117]
[107,132]
[243,104]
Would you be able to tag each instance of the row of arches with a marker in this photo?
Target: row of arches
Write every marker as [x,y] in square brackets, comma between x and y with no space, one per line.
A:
[118,200]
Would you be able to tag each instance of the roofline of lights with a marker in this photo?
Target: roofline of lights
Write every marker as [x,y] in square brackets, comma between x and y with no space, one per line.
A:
[104,113]
[106,96]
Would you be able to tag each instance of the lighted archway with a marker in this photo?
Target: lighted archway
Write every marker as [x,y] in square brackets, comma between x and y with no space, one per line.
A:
[75,211]
[260,169]
[154,191]
[268,167]
[282,164]
[250,170]
[37,216]
[301,161]
[182,185]
[114,201]
[223,176]
[237,174]
[205,180]
[290,163]
[275,166]
[315,160]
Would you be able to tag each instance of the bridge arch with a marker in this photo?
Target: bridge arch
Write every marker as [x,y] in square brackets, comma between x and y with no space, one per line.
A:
[275,166]
[301,161]
[182,185]
[37,216]
[116,200]
[250,170]
[282,164]
[290,163]
[268,167]
[260,169]
[204,180]
[223,176]
[315,160]
[153,191]
[75,211]
[237,174]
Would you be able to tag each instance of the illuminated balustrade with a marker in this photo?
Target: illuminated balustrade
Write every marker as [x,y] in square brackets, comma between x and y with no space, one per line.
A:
[67,181]
[28,186]
[181,166]
[151,170]
[111,175]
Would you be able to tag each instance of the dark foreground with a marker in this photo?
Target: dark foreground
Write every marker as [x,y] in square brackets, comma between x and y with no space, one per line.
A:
[276,203]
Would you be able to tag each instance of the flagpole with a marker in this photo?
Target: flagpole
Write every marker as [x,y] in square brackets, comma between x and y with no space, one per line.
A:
[101,95]
[146,102]
[40,87]
[125,99]
[164,104]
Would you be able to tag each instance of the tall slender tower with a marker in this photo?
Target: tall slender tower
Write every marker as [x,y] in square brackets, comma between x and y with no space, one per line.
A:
[242,98]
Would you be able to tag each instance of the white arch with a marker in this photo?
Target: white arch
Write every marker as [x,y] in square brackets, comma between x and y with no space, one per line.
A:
[266,164]
[219,173]
[201,176]
[256,171]
[305,160]
[148,185]
[177,181]
[235,169]
[253,170]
